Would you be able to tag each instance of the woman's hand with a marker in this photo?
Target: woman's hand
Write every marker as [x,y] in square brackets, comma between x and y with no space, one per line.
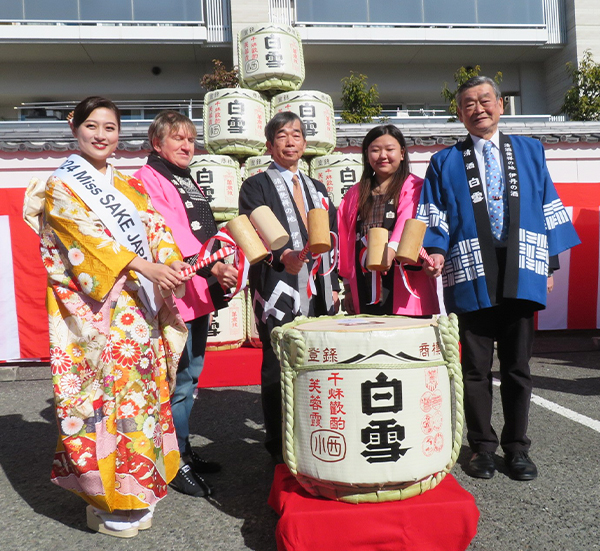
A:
[436,269]
[389,258]
[180,267]
[164,276]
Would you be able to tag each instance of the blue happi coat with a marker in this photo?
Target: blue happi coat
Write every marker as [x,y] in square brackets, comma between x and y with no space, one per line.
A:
[454,207]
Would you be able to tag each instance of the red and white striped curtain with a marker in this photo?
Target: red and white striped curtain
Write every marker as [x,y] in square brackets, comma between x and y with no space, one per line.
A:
[574,303]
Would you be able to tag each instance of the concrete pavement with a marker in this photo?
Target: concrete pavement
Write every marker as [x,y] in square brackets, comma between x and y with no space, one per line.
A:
[558,511]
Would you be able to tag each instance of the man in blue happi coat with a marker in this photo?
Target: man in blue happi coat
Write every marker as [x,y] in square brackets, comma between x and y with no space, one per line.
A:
[494,220]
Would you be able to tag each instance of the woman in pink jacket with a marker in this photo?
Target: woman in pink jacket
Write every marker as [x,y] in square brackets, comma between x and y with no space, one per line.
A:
[175,194]
[386,196]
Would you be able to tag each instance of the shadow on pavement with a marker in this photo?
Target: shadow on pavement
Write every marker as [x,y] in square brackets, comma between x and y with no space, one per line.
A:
[26,458]
[226,423]
[231,420]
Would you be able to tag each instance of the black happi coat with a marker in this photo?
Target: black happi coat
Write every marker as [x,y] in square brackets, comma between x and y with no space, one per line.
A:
[259,190]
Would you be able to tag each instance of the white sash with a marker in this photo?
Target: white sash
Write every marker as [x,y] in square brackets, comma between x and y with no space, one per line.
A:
[115,211]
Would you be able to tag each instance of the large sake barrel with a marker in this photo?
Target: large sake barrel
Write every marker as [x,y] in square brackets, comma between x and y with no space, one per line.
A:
[254,165]
[367,404]
[234,122]
[339,172]
[316,111]
[270,58]
[227,328]
[220,178]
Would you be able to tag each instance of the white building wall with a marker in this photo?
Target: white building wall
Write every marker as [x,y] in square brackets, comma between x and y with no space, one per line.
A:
[244,14]
[414,83]
[587,20]
[568,163]
[583,32]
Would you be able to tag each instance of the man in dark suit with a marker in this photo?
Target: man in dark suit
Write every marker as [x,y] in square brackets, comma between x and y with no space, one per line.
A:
[279,289]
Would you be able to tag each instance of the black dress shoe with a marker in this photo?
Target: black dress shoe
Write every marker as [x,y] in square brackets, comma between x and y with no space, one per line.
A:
[481,465]
[188,483]
[201,466]
[520,466]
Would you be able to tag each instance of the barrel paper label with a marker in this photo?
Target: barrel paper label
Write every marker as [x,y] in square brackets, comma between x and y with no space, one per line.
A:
[372,426]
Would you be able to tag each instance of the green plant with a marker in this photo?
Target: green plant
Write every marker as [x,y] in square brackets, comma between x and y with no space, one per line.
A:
[460,77]
[220,77]
[582,100]
[359,104]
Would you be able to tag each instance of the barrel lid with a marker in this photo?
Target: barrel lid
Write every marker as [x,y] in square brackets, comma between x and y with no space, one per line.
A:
[361,324]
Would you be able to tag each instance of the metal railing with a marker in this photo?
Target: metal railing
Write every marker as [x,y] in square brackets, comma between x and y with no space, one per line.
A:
[130,109]
[218,20]
[281,11]
[554,20]
[215,14]
[84,12]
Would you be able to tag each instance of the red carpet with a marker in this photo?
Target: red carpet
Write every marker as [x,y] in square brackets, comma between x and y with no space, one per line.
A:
[237,367]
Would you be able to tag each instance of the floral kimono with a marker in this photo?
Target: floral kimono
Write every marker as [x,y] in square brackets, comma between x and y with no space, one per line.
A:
[111,357]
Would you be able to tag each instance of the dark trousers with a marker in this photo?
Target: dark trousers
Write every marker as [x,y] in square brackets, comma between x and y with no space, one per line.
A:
[271,376]
[270,389]
[510,324]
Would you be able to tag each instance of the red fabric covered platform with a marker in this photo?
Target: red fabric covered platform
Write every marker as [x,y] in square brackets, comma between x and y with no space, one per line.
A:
[237,367]
[442,519]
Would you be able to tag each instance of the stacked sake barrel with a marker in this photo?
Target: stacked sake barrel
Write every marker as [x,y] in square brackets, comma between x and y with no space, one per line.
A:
[271,62]
[219,177]
[255,165]
[338,172]
[228,326]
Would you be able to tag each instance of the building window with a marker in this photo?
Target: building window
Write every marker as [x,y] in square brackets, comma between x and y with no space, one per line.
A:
[387,12]
[180,11]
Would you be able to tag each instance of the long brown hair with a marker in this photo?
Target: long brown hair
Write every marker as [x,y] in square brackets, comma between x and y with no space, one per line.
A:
[368,181]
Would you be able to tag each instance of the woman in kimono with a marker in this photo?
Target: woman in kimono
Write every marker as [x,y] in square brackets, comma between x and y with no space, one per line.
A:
[114,341]
[386,196]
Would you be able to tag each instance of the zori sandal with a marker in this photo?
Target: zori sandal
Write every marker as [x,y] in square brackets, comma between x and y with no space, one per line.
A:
[111,524]
[143,516]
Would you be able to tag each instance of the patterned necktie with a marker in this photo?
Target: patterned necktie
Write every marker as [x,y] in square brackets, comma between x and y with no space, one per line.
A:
[496,198]
[299,199]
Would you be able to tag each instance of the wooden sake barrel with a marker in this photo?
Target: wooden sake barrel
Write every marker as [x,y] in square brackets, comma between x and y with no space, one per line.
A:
[316,111]
[220,178]
[339,172]
[367,404]
[234,122]
[227,328]
[254,165]
[270,58]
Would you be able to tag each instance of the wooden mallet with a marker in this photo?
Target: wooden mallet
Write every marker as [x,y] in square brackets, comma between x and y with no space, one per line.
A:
[269,227]
[410,249]
[377,240]
[244,236]
[319,239]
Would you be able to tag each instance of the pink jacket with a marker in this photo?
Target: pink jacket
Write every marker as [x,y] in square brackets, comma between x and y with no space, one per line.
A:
[166,200]
[424,286]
